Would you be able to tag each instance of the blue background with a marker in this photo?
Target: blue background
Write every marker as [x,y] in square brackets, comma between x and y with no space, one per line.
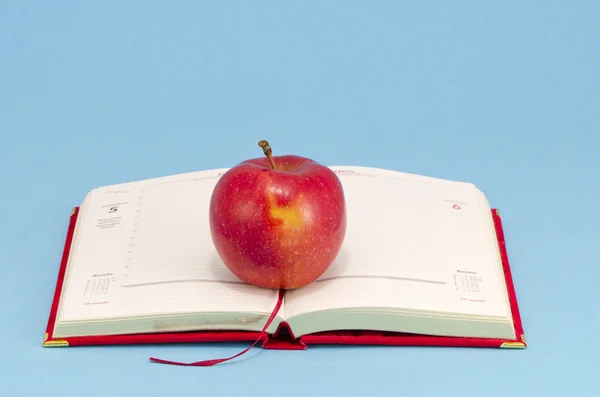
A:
[502,94]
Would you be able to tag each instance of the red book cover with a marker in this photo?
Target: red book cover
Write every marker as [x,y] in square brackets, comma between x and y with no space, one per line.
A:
[284,337]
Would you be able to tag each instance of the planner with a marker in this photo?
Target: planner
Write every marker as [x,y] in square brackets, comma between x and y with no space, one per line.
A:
[424,263]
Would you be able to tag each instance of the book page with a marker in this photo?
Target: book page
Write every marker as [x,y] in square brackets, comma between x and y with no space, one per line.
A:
[392,230]
[141,249]
[412,243]
[169,239]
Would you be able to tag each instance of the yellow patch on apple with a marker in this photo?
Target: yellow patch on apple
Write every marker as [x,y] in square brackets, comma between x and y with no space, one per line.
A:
[290,216]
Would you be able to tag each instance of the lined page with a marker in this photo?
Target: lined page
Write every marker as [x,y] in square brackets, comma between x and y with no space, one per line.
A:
[170,238]
[392,230]
[412,243]
[99,284]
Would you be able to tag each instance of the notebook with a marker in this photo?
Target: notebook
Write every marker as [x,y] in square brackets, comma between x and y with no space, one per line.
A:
[424,262]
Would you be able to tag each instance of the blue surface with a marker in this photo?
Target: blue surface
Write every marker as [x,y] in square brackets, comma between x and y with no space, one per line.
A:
[503,94]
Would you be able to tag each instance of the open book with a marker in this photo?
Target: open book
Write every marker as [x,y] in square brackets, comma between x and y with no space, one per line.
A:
[421,256]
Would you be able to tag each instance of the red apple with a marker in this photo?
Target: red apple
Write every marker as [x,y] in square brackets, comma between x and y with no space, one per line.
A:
[278,221]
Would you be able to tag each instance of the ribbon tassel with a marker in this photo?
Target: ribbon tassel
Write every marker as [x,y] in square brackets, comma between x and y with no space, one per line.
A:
[209,363]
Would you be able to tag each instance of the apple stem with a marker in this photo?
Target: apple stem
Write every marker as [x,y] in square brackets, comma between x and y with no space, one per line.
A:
[268,152]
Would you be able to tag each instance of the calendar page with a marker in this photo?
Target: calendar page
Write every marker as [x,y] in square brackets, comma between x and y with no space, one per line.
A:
[142,248]
[412,243]
[98,286]
[467,282]
[98,249]
[169,239]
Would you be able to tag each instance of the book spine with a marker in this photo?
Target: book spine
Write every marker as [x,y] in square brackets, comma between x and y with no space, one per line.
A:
[283,339]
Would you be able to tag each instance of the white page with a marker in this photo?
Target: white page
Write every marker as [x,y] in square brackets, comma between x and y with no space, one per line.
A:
[392,229]
[170,237]
[99,286]
[409,239]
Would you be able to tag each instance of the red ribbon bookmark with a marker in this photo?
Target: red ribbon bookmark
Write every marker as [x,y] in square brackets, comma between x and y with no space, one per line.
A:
[209,363]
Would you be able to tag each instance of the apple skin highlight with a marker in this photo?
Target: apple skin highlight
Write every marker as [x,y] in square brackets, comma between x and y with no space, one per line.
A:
[278,221]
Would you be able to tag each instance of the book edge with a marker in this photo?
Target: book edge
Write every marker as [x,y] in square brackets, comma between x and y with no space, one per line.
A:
[288,340]
[48,339]
[142,338]
[379,338]
[520,342]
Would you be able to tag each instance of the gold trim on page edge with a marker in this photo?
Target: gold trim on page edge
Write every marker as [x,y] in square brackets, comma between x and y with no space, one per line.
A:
[513,345]
[54,343]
